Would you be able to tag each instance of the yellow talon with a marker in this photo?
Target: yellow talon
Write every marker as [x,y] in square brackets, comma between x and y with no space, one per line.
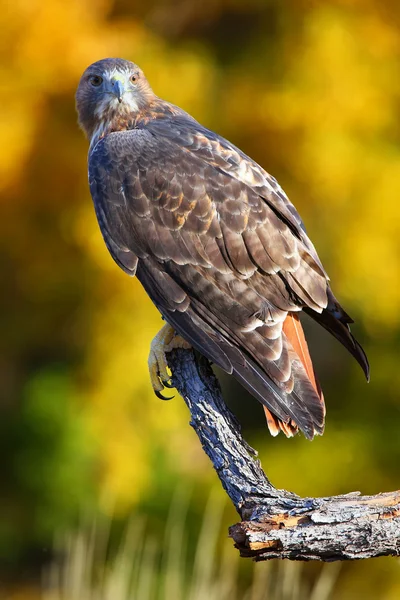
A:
[160,374]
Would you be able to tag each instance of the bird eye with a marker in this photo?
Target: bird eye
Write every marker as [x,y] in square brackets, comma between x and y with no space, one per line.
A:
[96,80]
[133,78]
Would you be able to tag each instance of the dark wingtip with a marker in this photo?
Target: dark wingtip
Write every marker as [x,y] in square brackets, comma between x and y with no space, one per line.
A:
[362,359]
[336,321]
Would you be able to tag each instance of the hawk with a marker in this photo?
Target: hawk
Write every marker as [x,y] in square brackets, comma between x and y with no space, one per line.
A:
[214,240]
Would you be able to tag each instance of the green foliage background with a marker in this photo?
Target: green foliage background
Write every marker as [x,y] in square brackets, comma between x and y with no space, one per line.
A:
[310,89]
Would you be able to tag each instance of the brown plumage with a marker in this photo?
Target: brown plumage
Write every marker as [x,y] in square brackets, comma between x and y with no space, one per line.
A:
[214,240]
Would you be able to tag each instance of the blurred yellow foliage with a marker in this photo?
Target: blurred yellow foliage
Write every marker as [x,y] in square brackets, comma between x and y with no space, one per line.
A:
[309,89]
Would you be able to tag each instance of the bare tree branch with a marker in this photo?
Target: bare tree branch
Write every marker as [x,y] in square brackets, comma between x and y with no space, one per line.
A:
[276,523]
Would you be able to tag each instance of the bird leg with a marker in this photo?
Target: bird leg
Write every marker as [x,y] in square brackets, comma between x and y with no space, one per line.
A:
[160,374]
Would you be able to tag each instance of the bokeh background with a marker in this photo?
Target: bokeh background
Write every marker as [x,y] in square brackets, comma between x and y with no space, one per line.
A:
[308,88]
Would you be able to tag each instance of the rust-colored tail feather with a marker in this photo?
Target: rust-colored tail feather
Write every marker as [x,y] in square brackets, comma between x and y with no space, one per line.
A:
[295,335]
[275,425]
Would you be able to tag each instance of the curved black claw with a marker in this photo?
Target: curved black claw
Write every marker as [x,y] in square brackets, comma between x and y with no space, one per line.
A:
[167,384]
[159,395]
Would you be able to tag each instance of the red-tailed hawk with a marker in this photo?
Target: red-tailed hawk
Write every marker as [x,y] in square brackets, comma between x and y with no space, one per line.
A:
[215,242]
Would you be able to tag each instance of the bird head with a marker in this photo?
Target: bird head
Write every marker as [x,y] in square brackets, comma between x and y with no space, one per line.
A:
[110,92]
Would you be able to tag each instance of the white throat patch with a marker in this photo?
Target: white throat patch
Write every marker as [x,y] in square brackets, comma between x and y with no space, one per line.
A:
[110,104]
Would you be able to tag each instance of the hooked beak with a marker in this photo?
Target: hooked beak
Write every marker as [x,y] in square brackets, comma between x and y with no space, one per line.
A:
[118,89]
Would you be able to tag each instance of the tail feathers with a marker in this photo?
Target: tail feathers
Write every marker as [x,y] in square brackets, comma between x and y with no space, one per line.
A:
[276,425]
[235,352]
[300,409]
[286,386]
[294,334]
[336,321]
[232,360]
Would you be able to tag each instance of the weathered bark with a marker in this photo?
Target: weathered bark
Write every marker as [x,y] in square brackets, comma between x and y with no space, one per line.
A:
[276,523]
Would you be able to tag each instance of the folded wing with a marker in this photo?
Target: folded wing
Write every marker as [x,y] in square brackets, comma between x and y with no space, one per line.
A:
[224,256]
